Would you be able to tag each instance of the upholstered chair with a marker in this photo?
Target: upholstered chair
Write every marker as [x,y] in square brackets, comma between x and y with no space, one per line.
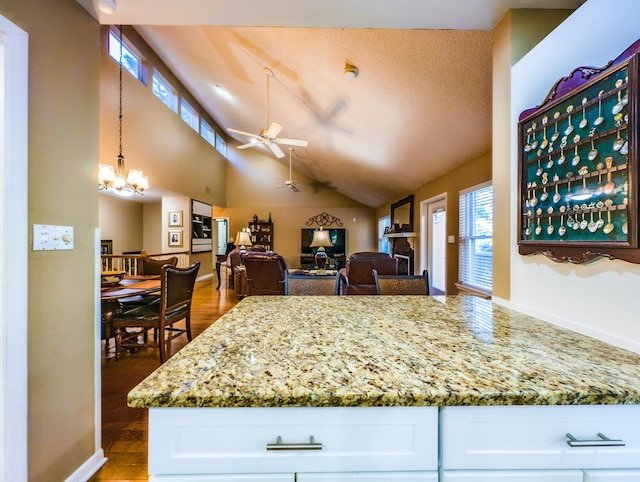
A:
[356,278]
[402,284]
[265,273]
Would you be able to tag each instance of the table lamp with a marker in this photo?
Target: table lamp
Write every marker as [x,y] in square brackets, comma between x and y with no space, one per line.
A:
[243,239]
[320,240]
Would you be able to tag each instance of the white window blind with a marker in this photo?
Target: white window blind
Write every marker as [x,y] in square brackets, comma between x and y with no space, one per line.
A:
[476,237]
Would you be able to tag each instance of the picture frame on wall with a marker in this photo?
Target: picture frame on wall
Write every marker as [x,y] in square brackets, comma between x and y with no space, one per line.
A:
[175,219]
[175,238]
[106,246]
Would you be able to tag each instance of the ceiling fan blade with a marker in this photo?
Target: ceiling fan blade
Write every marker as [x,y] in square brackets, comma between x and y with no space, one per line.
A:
[274,129]
[294,188]
[236,131]
[292,142]
[275,149]
[248,144]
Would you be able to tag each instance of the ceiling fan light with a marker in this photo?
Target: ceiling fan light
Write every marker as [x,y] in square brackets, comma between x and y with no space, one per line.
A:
[350,71]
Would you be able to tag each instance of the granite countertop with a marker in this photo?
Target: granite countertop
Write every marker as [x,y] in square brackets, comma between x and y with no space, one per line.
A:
[273,351]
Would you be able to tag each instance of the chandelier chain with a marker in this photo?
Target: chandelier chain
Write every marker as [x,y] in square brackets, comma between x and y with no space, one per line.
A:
[120,98]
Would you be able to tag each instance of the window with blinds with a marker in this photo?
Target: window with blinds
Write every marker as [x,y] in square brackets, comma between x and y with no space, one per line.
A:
[476,238]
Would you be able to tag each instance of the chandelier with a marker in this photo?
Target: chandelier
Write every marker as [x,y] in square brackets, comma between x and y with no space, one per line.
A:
[114,179]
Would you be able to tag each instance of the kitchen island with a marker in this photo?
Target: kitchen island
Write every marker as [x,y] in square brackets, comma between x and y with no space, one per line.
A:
[344,387]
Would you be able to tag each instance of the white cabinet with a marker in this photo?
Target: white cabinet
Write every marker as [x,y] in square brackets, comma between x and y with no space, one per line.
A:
[370,477]
[224,478]
[511,476]
[514,443]
[612,475]
[332,440]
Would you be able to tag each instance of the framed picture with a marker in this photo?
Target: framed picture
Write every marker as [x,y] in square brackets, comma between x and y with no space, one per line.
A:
[175,238]
[106,246]
[175,219]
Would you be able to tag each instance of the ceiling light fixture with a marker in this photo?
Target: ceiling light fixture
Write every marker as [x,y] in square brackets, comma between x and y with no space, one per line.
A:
[350,71]
[107,6]
[108,178]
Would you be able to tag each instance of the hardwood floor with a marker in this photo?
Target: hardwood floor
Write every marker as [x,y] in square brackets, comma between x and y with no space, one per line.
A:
[124,429]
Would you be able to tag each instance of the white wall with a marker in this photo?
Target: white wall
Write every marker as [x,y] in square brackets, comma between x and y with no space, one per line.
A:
[602,298]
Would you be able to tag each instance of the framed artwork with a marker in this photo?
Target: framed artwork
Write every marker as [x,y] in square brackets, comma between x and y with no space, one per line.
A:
[106,246]
[175,238]
[175,219]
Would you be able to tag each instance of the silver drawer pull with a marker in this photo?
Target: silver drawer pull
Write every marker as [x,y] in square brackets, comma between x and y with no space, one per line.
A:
[279,445]
[602,441]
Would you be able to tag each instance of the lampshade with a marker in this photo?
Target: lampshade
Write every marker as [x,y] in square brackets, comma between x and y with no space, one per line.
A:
[243,238]
[320,239]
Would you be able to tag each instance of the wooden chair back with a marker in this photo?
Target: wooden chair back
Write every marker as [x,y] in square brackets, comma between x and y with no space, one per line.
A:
[402,284]
[310,285]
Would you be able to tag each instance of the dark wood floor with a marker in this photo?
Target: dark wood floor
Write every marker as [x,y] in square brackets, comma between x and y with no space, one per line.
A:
[124,429]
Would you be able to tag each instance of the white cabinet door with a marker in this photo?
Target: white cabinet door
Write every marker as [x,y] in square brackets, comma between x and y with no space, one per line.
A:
[536,437]
[512,476]
[370,476]
[289,440]
[224,478]
[612,475]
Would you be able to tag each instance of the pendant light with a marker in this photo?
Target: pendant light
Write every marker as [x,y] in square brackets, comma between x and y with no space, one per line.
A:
[114,179]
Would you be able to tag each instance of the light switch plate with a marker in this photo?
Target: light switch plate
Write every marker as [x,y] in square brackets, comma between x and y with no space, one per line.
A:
[451,239]
[47,237]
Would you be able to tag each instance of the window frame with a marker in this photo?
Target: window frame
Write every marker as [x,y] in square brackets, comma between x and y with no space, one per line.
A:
[221,145]
[128,50]
[207,132]
[194,121]
[472,270]
[173,96]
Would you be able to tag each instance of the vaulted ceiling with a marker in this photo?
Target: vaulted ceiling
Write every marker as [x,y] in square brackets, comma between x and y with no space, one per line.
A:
[420,106]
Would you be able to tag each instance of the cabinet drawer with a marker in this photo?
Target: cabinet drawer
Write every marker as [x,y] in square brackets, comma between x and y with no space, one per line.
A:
[612,476]
[275,440]
[224,478]
[370,477]
[512,476]
[534,437]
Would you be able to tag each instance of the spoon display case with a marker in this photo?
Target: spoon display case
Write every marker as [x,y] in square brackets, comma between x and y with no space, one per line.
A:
[578,166]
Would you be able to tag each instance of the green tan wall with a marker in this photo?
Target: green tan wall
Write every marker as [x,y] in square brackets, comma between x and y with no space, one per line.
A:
[63,151]
[469,174]
[517,33]
[255,186]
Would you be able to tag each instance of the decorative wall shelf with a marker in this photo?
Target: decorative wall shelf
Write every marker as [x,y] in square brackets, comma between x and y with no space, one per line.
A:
[578,166]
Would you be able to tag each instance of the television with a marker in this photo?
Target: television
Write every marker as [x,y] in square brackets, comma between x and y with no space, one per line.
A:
[337,236]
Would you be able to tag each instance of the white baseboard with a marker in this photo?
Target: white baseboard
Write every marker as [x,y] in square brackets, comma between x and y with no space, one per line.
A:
[572,325]
[89,468]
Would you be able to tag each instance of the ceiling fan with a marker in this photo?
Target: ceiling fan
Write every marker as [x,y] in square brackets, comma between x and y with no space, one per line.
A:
[290,183]
[269,136]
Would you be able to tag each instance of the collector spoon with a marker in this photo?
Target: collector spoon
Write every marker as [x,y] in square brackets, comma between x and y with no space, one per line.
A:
[584,122]
[599,120]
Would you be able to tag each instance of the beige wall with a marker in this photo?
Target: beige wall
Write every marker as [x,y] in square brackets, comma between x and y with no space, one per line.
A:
[255,186]
[516,34]
[469,174]
[63,150]
[121,221]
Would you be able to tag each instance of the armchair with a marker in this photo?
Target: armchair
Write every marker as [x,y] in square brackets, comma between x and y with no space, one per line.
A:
[265,273]
[356,278]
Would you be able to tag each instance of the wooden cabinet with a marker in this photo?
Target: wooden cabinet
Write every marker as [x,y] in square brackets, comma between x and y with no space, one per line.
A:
[262,233]
[201,227]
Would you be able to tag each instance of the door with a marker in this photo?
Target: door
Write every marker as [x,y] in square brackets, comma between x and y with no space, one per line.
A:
[433,256]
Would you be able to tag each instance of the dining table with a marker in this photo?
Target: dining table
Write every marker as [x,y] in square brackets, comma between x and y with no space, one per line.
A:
[113,295]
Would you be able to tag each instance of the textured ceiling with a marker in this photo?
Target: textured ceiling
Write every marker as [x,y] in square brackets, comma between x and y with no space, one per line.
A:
[420,106]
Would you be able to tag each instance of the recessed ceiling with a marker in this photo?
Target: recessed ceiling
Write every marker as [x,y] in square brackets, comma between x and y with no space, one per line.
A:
[420,106]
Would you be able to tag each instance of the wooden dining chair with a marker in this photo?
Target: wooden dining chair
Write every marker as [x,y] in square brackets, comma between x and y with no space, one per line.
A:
[402,284]
[174,304]
[310,285]
[150,266]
